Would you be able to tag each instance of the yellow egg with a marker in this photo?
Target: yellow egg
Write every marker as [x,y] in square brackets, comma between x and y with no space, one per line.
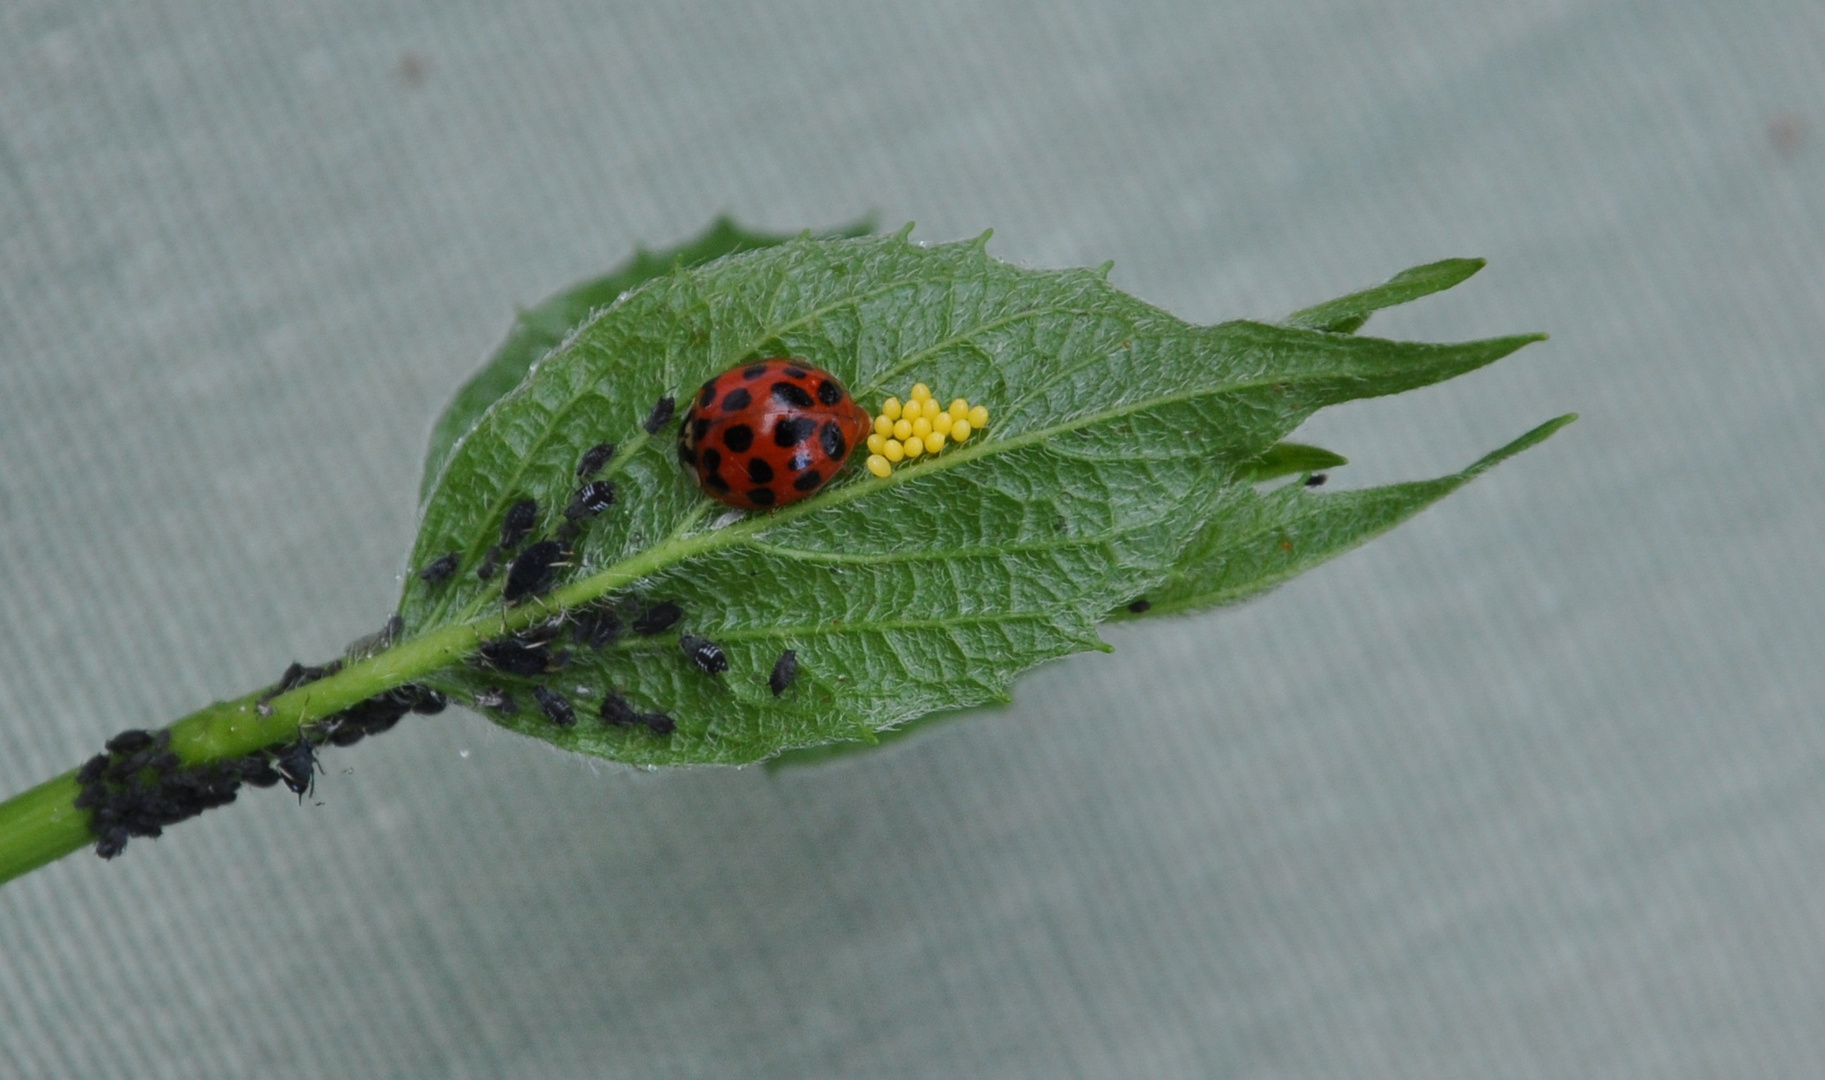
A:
[891,409]
[876,442]
[921,427]
[902,429]
[960,409]
[934,442]
[883,426]
[979,418]
[942,423]
[931,408]
[920,392]
[915,446]
[879,466]
[960,431]
[893,451]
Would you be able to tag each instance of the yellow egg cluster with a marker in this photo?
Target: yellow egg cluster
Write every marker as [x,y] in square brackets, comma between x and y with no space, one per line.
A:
[920,426]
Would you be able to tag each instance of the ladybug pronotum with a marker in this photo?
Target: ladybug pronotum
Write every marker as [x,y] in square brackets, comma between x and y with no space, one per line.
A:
[770,433]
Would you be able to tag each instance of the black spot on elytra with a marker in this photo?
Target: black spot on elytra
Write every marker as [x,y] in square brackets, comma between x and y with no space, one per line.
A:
[785,669]
[707,396]
[661,415]
[833,442]
[738,438]
[761,496]
[699,428]
[716,482]
[711,459]
[753,371]
[737,400]
[829,392]
[759,472]
[593,459]
[796,372]
[800,461]
[788,393]
[792,430]
[808,480]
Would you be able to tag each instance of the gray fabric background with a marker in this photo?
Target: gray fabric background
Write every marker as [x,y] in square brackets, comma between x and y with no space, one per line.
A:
[1534,786]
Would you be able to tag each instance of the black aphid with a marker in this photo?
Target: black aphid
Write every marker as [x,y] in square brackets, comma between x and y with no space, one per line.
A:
[705,653]
[516,658]
[659,723]
[518,523]
[617,711]
[489,563]
[258,771]
[661,415]
[591,499]
[430,702]
[595,626]
[440,569]
[1317,479]
[128,742]
[593,459]
[498,699]
[659,618]
[297,766]
[533,571]
[1140,606]
[785,669]
[555,708]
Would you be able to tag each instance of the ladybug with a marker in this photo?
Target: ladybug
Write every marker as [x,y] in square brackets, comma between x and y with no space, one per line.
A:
[770,433]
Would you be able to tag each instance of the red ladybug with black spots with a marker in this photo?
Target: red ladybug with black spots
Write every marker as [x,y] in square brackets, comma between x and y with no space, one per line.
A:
[769,433]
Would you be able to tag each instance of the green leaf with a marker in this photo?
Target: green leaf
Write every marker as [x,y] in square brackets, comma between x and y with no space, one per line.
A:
[1288,458]
[1262,541]
[1118,433]
[538,329]
[1346,314]
[1263,538]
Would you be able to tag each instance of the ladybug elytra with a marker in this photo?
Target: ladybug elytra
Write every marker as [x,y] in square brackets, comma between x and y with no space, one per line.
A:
[770,433]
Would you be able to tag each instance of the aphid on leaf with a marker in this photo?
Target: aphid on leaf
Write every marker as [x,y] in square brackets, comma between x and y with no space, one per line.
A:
[591,499]
[769,433]
[705,653]
[1140,606]
[532,572]
[555,708]
[498,699]
[516,658]
[659,723]
[1316,480]
[595,626]
[593,459]
[518,523]
[439,570]
[617,711]
[661,415]
[785,669]
[659,618]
